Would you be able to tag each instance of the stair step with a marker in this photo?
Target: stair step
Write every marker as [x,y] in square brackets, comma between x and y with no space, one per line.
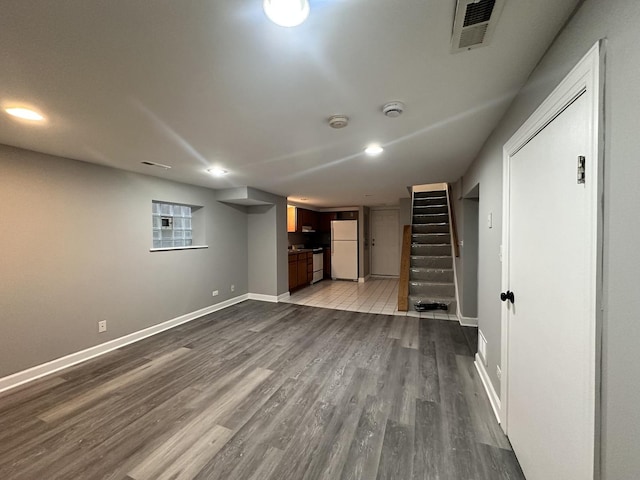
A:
[435,289]
[430,238]
[432,261]
[417,209]
[431,249]
[431,228]
[422,218]
[430,201]
[449,301]
[440,275]
[436,193]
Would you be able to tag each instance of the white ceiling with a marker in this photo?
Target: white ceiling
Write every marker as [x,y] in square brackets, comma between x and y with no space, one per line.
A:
[195,84]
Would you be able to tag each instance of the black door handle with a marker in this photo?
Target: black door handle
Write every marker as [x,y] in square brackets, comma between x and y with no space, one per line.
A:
[508,295]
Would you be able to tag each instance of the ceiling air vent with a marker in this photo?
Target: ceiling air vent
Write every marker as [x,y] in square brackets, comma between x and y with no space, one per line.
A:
[474,23]
[154,164]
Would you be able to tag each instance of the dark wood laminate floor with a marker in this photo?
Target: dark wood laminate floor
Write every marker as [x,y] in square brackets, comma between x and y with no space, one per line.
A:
[264,391]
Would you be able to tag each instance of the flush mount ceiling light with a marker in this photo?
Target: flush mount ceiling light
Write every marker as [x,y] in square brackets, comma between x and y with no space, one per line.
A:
[217,171]
[286,13]
[24,113]
[373,150]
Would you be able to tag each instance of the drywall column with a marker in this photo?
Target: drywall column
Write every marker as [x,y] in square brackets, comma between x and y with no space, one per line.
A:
[267,244]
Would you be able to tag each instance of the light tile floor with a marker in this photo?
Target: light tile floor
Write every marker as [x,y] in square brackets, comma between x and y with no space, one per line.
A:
[376,295]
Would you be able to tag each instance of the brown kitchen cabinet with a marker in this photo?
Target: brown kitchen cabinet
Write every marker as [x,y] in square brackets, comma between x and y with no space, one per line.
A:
[293,272]
[292,217]
[325,218]
[301,217]
[306,218]
[300,270]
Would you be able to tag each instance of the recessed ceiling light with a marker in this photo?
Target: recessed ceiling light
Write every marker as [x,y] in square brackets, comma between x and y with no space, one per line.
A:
[24,113]
[373,150]
[217,171]
[286,13]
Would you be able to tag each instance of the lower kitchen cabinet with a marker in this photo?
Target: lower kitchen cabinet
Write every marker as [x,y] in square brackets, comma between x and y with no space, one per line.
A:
[293,272]
[300,270]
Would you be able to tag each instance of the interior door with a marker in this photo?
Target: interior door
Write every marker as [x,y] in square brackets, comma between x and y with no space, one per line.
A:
[550,415]
[385,242]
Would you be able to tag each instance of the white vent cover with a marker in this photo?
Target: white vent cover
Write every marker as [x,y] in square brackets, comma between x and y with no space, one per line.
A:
[474,23]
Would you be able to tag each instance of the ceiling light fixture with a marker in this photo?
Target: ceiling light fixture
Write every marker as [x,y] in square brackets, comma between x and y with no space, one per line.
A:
[217,171]
[373,150]
[286,13]
[24,113]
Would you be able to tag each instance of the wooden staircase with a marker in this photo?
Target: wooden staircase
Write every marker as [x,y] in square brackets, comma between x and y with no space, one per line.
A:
[430,276]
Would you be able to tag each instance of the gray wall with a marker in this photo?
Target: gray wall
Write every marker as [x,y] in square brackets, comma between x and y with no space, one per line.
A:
[470,208]
[268,243]
[76,250]
[262,243]
[466,213]
[404,217]
[615,20]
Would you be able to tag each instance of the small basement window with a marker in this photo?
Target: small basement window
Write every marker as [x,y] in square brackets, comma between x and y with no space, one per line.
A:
[173,226]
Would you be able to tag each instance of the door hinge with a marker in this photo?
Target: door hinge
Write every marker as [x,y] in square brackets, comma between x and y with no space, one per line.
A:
[581,169]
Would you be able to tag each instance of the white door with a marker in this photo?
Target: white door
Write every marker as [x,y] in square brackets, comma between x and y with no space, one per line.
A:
[385,242]
[550,414]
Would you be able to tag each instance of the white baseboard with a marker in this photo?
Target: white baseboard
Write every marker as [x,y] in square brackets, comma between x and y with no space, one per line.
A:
[488,387]
[33,373]
[263,298]
[468,321]
[284,297]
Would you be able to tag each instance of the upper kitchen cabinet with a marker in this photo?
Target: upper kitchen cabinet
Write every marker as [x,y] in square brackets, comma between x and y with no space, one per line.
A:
[307,220]
[325,221]
[301,219]
[291,219]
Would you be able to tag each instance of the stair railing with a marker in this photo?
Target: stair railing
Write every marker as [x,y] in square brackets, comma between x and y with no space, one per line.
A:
[405,262]
[452,223]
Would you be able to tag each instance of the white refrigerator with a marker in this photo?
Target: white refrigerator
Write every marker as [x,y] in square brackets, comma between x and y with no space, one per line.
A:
[344,249]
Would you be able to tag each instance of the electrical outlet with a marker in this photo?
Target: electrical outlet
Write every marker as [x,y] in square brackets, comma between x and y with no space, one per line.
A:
[215,293]
[498,372]
[102,326]
[233,288]
[490,220]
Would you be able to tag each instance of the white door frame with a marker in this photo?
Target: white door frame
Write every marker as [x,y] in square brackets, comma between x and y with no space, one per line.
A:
[584,79]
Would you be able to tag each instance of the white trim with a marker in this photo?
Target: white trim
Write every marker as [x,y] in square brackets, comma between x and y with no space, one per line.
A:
[468,321]
[263,298]
[453,250]
[488,387]
[167,249]
[429,187]
[283,297]
[585,78]
[363,279]
[33,373]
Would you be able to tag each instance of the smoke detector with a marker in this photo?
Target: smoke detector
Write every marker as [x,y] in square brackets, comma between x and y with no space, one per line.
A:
[393,109]
[338,121]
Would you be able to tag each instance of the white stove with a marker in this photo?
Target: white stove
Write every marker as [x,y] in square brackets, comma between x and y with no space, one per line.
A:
[318,265]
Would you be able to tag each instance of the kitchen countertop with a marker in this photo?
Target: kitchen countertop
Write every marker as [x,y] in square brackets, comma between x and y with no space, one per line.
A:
[304,250]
